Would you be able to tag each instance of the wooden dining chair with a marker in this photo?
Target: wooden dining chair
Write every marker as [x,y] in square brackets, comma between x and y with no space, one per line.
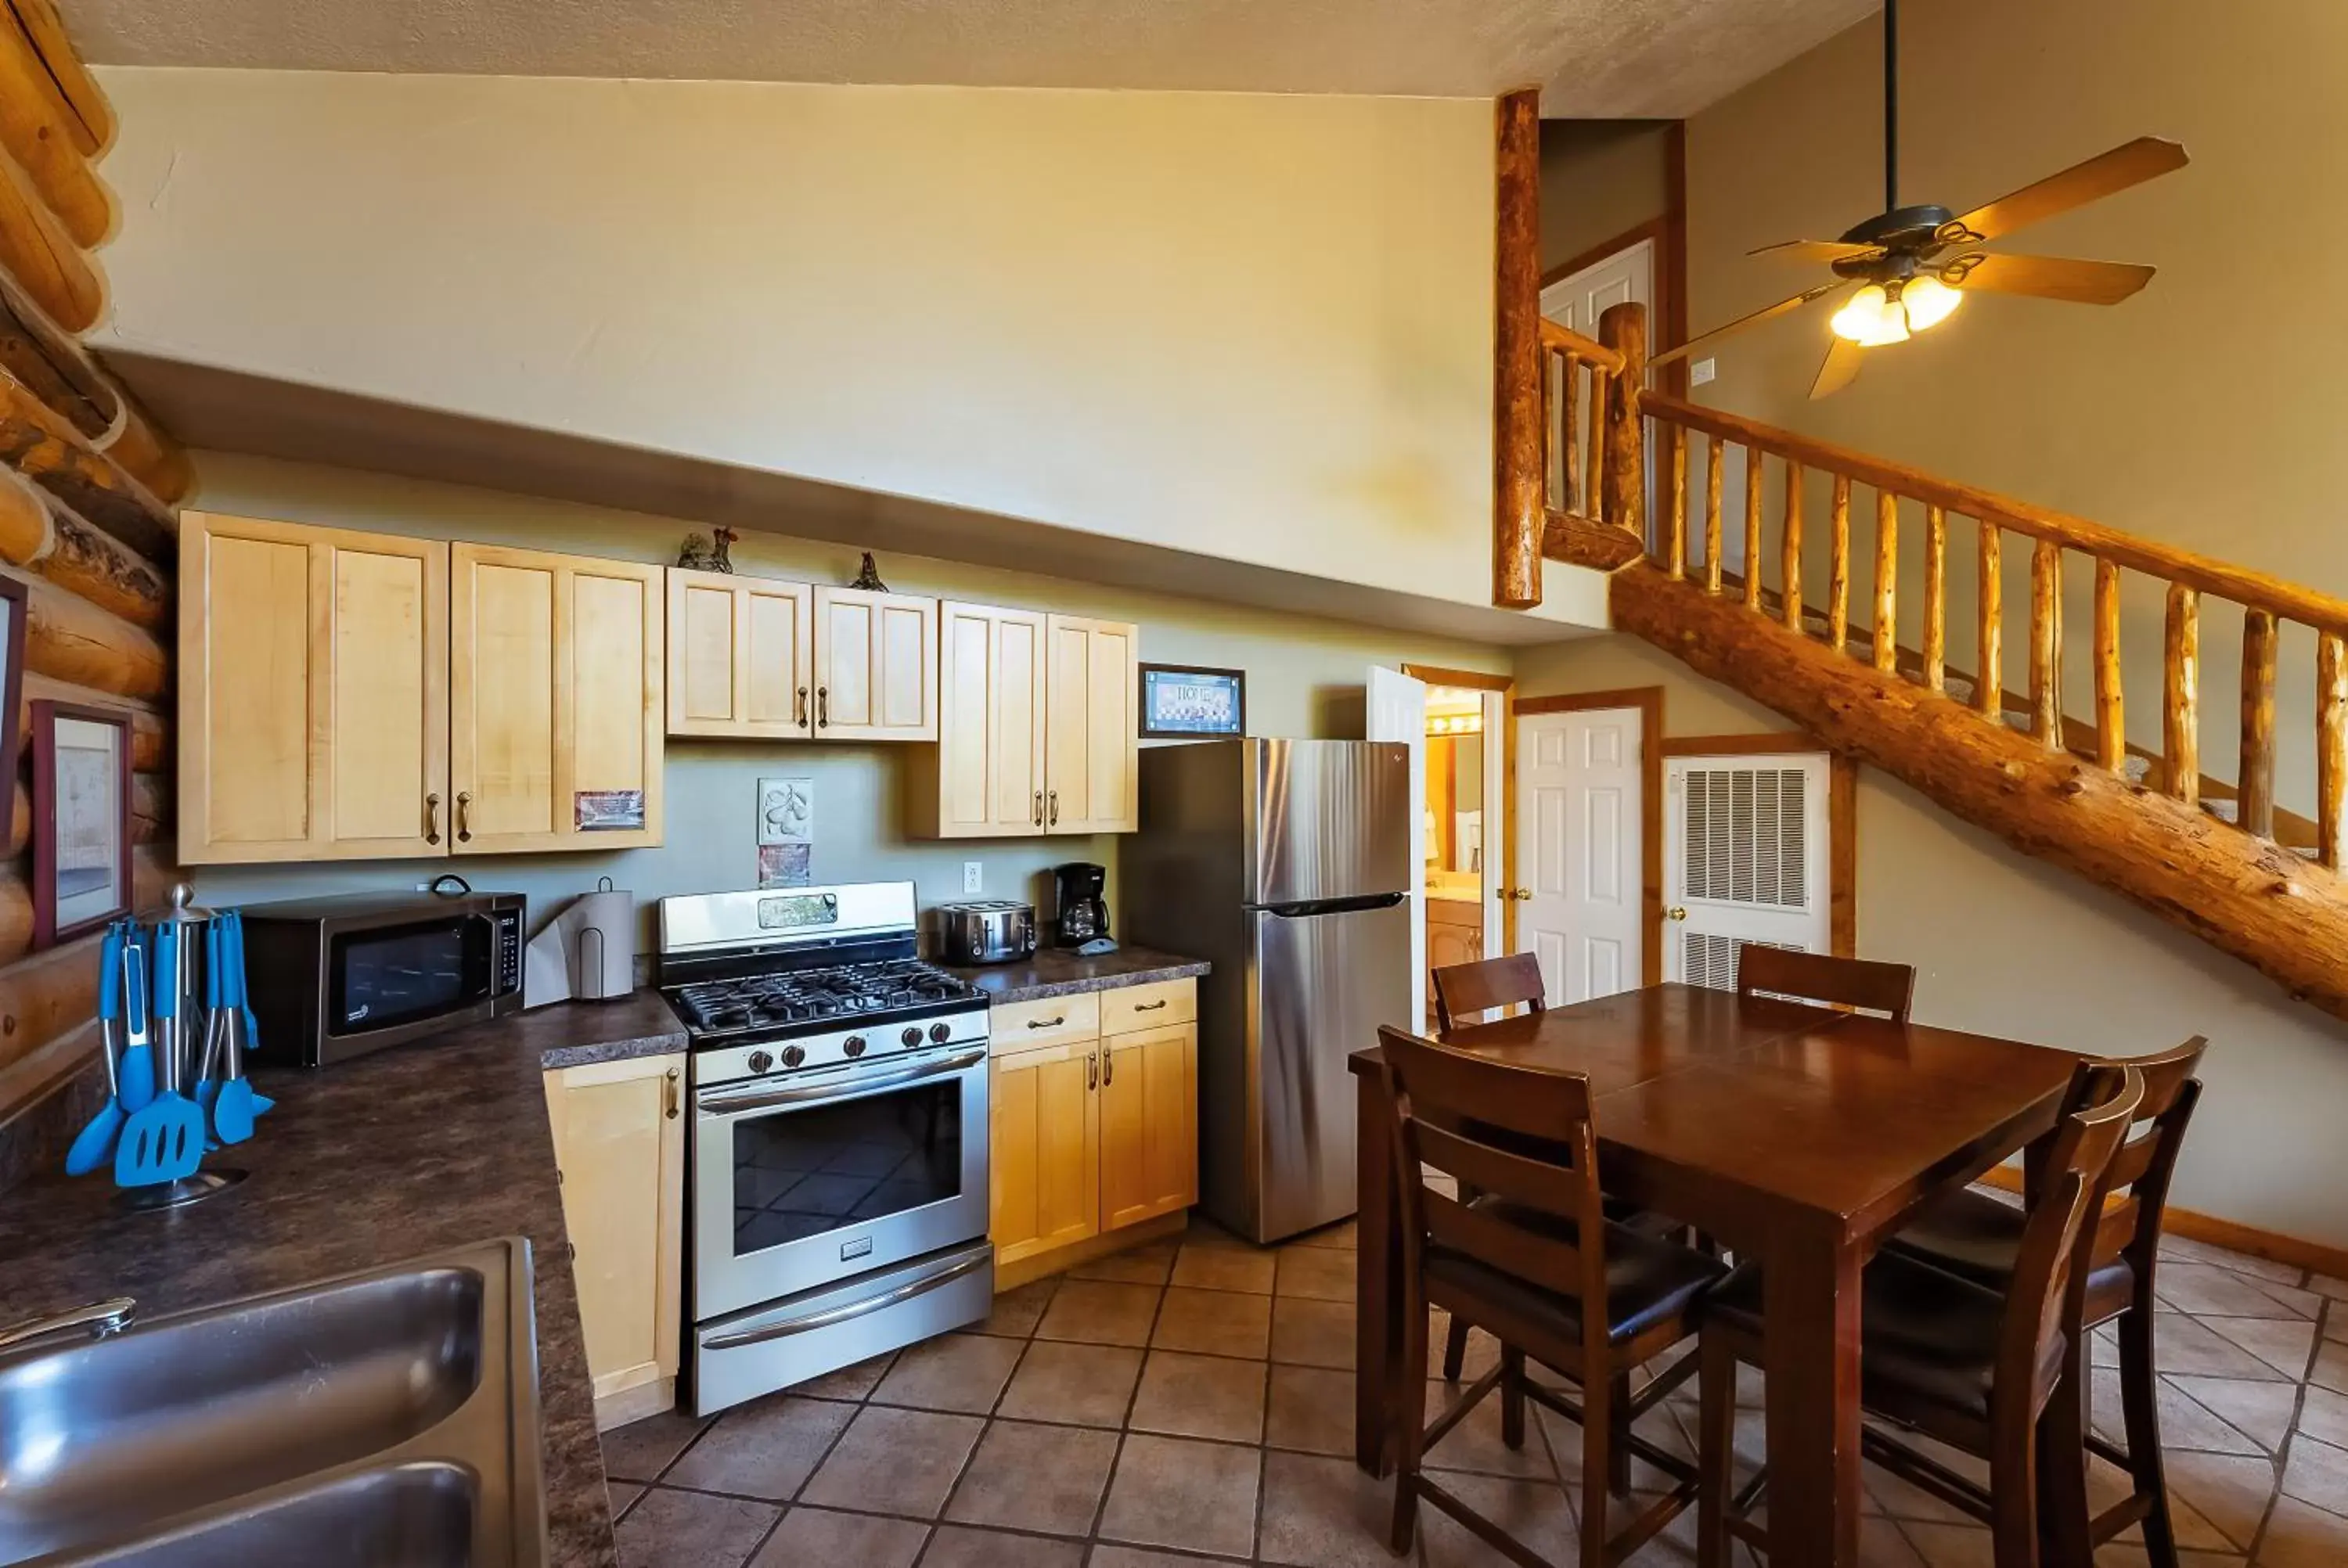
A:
[1976,1236]
[1977,1369]
[1814,977]
[1533,1261]
[1464,990]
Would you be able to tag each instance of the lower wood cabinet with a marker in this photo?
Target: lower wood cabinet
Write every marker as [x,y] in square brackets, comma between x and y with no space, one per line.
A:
[1150,1125]
[619,1143]
[1045,1145]
[1455,932]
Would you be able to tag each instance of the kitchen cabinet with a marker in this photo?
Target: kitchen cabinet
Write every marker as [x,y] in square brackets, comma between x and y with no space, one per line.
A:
[556,700]
[876,666]
[741,656]
[1149,1124]
[1036,728]
[1044,1147]
[618,1145]
[1455,932]
[313,692]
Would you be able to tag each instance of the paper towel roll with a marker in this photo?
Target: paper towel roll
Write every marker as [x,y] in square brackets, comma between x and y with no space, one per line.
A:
[589,951]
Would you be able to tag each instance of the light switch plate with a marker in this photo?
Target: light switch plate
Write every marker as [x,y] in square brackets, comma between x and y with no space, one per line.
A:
[974,875]
[1701,372]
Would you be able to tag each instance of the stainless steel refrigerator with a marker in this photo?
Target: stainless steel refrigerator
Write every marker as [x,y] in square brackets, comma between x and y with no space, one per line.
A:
[1287,864]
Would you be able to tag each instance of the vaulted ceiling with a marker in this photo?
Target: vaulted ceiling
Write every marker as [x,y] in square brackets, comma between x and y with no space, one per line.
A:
[1597,58]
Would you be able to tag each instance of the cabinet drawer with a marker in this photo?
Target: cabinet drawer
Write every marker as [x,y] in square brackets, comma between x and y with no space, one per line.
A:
[1054,1021]
[1149,1006]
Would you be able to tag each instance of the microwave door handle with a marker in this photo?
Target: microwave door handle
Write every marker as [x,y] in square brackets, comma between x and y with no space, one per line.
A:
[488,986]
[723,1103]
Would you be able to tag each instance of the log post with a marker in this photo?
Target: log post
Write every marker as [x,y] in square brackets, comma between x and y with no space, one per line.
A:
[1989,680]
[1676,526]
[1936,599]
[1624,329]
[2180,715]
[1839,565]
[1519,412]
[2046,643]
[2111,714]
[1714,451]
[1886,581]
[2254,783]
[2330,746]
[1753,527]
[1790,560]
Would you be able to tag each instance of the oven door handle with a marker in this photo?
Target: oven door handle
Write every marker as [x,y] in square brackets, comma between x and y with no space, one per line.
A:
[943,1275]
[726,1102]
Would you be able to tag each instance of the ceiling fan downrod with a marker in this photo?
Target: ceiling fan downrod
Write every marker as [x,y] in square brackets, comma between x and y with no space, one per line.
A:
[1891,106]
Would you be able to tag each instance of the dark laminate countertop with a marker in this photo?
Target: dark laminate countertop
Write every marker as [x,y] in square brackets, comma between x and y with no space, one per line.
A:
[1059,972]
[425,1147]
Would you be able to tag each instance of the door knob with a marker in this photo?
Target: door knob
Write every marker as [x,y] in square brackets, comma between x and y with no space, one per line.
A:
[1516,893]
[1675,913]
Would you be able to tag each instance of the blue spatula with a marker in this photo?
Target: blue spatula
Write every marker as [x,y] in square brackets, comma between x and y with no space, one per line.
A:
[238,1104]
[138,1054]
[94,1145]
[165,1141]
[207,1089]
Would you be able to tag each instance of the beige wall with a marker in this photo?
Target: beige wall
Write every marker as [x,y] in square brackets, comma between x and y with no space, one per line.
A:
[1599,177]
[1304,678]
[1255,327]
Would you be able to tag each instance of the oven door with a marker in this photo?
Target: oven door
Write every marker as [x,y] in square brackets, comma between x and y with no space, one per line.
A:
[802,1181]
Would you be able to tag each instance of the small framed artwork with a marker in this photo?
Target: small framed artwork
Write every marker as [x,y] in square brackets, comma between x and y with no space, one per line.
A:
[81,819]
[1183,700]
[12,688]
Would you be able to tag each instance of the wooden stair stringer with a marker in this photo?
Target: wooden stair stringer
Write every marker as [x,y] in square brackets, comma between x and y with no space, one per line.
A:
[2248,896]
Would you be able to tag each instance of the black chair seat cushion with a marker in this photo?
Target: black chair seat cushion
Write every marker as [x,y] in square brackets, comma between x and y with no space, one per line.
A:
[1647,1280]
[1923,1334]
[1973,1235]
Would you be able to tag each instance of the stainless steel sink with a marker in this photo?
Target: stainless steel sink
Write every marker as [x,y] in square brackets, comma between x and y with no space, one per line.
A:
[386,1416]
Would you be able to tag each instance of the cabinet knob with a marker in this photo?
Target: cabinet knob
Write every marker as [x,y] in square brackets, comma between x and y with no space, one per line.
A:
[464,816]
[432,818]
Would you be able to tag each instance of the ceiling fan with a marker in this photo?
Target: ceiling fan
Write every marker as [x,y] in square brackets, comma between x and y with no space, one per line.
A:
[1909,268]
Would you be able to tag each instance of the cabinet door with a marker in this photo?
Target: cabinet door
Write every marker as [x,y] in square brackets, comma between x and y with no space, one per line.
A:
[1150,1125]
[876,666]
[1092,744]
[555,701]
[619,1142]
[741,651]
[313,692]
[1045,1149]
[990,753]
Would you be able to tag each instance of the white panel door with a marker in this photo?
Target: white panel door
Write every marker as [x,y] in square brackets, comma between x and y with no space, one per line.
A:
[1628,276]
[1745,859]
[1578,851]
[1399,713]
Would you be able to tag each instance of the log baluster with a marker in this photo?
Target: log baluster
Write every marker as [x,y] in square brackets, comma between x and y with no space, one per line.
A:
[1624,329]
[1753,527]
[2331,745]
[1887,582]
[1569,461]
[1715,448]
[1989,681]
[1790,586]
[2111,716]
[2046,643]
[1593,490]
[1936,599]
[2180,714]
[2254,783]
[1839,565]
[1675,531]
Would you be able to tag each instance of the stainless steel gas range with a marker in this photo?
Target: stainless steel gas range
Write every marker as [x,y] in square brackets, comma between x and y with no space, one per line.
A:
[837,1182]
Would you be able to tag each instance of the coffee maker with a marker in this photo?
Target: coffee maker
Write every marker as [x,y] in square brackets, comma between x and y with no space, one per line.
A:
[1083,916]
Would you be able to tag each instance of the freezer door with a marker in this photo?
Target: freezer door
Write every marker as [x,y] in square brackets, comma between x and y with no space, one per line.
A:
[1320,985]
[1329,819]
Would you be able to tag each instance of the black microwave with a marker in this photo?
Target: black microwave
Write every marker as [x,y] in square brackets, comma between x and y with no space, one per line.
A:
[333,978]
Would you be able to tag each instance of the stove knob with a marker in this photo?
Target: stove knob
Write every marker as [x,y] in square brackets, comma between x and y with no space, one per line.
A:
[853,1045]
[913,1035]
[760,1061]
[941,1032]
[793,1056]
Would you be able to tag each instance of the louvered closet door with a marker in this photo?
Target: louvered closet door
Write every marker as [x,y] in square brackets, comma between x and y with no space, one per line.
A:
[1745,859]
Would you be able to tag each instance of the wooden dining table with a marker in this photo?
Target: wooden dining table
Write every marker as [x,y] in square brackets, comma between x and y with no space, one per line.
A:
[1799,1136]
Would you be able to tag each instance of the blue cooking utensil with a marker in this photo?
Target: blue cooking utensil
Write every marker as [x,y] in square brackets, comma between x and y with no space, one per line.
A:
[165,1141]
[238,1104]
[137,1052]
[94,1145]
[207,1088]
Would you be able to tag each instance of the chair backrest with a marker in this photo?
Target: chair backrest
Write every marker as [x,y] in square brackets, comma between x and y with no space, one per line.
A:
[1448,1108]
[2041,1303]
[1463,990]
[2133,1201]
[1814,977]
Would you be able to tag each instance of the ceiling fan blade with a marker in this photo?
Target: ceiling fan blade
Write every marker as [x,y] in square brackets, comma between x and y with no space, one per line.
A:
[1755,319]
[1816,250]
[2057,278]
[1840,369]
[2130,163]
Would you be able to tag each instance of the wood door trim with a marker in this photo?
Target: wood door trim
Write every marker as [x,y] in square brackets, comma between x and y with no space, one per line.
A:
[1441,675]
[1649,700]
[1668,229]
[1842,815]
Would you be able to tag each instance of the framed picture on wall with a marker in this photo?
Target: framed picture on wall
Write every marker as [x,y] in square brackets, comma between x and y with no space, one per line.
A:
[81,819]
[12,688]
[1186,701]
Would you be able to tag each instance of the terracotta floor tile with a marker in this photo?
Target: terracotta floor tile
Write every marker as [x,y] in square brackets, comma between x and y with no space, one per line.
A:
[2228,1490]
[2207,1290]
[1147,1264]
[1225,1266]
[686,1530]
[1180,1492]
[1312,1409]
[895,1461]
[812,1535]
[1201,1397]
[2302,1536]
[1108,1555]
[2316,1473]
[1344,1234]
[642,1450]
[765,1449]
[1323,1513]
[1091,1385]
[848,1382]
[1100,1312]
[620,1494]
[960,1546]
[2287,1345]
[1215,1322]
[1539,1514]
[963,1372]
[1038,1477]
[1313,1333]
[2185,1423]
[1474,1443]
[2258,1411]
[2183,1343]
[1320,1273]
[1016,1312]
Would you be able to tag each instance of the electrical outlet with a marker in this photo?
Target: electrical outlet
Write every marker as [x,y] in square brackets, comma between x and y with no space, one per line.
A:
[1701,373]
[973,875]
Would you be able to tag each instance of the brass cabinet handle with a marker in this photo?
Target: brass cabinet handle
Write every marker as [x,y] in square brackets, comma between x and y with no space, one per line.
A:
[1150,1006]
[801,720]
[823,707]
[1092,1070]
[1055,799]
[464,816]
[432,818]
[1675,913]
[1109,1067]
[1039,808]
[668,1094]
[1047,1022]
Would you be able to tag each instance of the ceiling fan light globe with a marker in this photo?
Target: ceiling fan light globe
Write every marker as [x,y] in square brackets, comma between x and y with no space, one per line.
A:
[1929,301]
[1862,318]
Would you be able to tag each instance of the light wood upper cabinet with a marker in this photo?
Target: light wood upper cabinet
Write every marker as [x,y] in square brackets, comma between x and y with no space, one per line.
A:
[984,778]
[876,666]
[619,1143]
[1150,1127]
[1091,774]
[741,656]
[313,692]
[556,700]
[1044,1147]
